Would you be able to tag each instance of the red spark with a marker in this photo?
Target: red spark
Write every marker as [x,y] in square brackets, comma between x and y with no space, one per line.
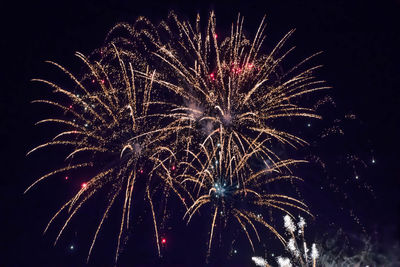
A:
[216,36]
[93,81]
[84,185]
[236,70]
[163,241]
[102,81]
[173,167]
[212,76]
[141,171]
[70,106]
[66,178]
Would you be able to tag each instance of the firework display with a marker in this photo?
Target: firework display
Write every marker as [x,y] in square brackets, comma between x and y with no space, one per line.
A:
[192,115]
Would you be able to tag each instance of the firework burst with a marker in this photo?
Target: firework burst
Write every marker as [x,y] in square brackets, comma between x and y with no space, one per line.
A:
[189,111]
[235,193]
[110,126]
[231,84]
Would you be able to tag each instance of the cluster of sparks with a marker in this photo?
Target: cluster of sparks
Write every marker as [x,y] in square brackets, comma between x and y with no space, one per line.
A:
[187,113]
[300,254]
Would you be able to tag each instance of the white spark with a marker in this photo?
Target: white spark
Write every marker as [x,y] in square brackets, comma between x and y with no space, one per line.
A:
[292,248]
[284,262]
[289,225]
[314,252]
[301,223]
[291,245]
[259,261]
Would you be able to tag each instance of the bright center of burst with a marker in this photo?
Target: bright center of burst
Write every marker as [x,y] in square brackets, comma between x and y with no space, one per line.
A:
[219,189]
[223,189]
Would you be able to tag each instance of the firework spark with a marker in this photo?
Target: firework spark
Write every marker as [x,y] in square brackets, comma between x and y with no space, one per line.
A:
[259,261]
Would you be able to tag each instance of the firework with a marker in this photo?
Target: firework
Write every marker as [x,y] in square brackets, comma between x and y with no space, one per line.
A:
[297,247]
[231,84]
[236,194]
[231,94]
[111,127]
[189,111]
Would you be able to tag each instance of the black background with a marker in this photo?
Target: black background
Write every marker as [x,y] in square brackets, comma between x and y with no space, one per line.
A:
[360,40]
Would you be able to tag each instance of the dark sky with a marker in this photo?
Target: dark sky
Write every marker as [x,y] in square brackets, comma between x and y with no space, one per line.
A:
[360,41]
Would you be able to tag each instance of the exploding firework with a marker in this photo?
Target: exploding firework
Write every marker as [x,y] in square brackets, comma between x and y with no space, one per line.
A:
[191,113]
[236,194]
[111,127]
[232,84]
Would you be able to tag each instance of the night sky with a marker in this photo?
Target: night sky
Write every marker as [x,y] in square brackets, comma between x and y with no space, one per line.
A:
[360,43]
